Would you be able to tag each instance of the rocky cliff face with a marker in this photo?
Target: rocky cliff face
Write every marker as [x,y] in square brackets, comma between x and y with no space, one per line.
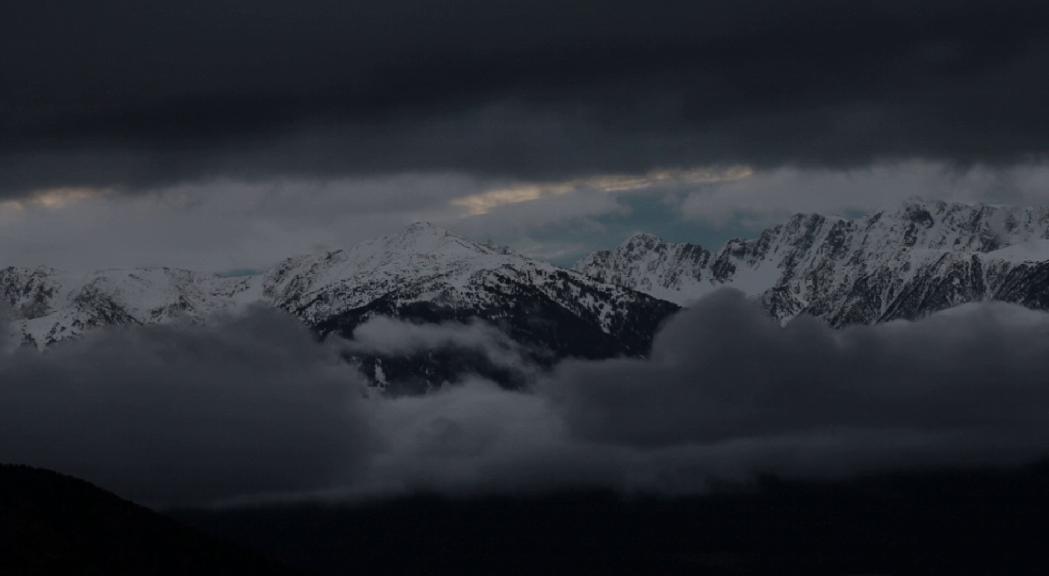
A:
[905,263]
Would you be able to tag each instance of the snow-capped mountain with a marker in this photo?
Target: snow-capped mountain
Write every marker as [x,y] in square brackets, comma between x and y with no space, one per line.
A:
[421,274]
[428,265]
[425,274]
[902,263]
[49,306]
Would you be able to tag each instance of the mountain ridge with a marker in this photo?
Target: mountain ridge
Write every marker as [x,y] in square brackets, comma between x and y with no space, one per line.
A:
[904,263]
[420,274]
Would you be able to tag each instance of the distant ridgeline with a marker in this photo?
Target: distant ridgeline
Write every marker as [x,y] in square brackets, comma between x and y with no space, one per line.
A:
[900,264]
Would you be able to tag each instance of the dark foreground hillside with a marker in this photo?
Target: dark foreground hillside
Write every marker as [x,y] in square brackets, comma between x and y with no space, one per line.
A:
[945,522]
[55,524]
[948,522]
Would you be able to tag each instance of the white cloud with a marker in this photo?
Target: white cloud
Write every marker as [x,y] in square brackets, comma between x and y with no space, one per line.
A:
[382,335]
[176,413]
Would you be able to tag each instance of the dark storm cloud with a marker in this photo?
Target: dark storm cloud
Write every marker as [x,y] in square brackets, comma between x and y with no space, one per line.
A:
[724,370]
[729,392]
[185,413]
[253,406]
[131,93]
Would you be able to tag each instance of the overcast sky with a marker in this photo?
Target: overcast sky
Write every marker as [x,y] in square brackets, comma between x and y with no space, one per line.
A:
[225,134]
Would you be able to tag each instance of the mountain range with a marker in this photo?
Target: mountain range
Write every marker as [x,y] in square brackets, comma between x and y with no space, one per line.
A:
[423,274]
[905,263]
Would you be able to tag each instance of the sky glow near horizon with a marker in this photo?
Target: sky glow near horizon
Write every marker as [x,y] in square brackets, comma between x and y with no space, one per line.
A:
[225,225]
[552,127]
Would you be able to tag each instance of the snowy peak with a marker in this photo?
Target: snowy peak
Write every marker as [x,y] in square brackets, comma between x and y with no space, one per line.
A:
[960,227]
[49,305]
[423,238]
[902,263]
[318,286]
[421,273]
[425,266]
[649,264]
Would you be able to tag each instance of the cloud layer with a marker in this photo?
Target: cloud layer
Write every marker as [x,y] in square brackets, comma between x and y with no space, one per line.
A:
[254,406]
[120,93]
[724,370]
[387,336]
[186,413]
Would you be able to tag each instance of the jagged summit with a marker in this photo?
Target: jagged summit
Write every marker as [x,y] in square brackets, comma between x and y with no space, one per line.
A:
[968,227]
[905,262]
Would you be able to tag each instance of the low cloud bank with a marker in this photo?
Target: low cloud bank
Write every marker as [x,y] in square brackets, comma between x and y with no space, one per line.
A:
[186,413]
[725,370]
[254,406]
[391,337]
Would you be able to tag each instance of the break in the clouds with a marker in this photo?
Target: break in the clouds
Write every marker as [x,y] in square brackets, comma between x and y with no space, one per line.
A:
[130,95]
[254,406]
[229,225]
[233,226]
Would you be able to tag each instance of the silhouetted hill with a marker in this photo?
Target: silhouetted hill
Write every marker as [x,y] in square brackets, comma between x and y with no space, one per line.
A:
[945,522]
[972,521]
[55,524]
